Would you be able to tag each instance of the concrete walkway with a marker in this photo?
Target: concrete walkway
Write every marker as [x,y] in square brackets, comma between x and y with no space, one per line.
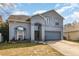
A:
[65,47]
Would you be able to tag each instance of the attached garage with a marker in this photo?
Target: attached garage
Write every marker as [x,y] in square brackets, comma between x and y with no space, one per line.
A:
[51,35]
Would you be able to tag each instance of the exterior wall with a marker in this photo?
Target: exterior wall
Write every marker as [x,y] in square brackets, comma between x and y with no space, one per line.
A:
[13,25]
[47,25]
[53,18]
[36,19]
[71,27]
[71,32]
[72,35]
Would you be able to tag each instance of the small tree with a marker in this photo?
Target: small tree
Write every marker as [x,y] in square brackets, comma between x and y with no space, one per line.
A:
[5,31]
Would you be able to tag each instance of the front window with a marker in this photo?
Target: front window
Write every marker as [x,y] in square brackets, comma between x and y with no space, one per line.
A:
[48,19]
[20,33]
[20,28]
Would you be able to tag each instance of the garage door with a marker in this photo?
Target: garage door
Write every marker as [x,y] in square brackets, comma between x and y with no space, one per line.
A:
[50,35]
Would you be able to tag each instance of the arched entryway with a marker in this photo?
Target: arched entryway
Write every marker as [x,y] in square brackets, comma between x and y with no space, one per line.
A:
[20,33]
[38,33]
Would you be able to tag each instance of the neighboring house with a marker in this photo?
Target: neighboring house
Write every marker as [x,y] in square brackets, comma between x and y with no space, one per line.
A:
[71,31]
[46,26]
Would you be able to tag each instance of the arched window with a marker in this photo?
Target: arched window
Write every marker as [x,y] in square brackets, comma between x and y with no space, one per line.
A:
[37,26]
[20,28]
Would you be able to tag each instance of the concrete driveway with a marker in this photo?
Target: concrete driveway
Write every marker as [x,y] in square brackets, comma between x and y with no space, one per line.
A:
[65,47]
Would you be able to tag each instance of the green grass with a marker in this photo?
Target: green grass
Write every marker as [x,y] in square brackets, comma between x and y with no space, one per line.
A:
[27,49]
[15,45]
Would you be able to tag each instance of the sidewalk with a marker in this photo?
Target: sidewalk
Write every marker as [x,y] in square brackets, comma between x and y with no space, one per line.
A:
[65,47]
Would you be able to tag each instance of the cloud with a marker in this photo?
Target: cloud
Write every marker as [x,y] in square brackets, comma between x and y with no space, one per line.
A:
[68,6]
[70,12]
[77,14]
[63,9]
[20,13]
[57,5]
[74,17]
[39,12]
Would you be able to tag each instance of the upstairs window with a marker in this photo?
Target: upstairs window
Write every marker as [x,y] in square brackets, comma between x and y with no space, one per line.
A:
[56,23]
[47,20]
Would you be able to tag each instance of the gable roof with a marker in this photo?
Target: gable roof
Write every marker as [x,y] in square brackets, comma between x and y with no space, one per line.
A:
[24,17]
[18,17]
[48,12]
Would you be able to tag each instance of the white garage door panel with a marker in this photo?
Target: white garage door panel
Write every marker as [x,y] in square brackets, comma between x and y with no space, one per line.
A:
[50,35]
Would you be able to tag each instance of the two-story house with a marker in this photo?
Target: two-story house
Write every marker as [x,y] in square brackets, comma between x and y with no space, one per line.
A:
[40,27]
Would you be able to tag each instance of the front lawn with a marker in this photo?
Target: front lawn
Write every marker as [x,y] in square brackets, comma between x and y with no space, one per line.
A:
[27,49]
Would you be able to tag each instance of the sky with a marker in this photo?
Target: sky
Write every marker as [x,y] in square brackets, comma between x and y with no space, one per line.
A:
[70,11]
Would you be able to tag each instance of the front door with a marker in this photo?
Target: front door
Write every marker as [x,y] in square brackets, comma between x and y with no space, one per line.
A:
[20,35]
[38,32]
[37,36]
